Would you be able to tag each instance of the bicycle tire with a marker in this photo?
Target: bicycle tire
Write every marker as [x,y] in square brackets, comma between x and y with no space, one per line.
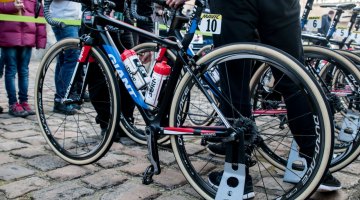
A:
[344,162]
[81,142]
[352,152]
[186,157]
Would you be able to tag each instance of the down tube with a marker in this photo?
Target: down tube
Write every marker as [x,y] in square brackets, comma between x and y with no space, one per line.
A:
[124,76]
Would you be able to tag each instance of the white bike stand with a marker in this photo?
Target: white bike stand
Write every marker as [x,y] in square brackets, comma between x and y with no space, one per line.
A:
[232,191]
[351,124]
[294,175]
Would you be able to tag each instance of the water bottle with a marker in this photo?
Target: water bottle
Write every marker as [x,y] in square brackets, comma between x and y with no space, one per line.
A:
[135,68]
[160,74]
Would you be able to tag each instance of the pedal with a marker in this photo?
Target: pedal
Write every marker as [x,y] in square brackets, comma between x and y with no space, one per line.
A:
[350,127]
[294,171]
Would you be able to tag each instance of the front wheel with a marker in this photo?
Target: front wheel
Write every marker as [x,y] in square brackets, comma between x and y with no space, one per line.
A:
[196,163]
[82,135]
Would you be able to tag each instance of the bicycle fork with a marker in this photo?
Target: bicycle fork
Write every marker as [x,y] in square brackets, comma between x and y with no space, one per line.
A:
[151,133]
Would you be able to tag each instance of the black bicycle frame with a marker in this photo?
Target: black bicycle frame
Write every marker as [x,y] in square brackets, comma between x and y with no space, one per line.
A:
[113,55]
[107,44]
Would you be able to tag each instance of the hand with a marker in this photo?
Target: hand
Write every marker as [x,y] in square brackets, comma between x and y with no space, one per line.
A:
[175,3]
[19,4]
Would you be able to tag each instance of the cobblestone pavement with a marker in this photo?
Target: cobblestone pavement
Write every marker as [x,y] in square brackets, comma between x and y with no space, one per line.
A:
[30,170]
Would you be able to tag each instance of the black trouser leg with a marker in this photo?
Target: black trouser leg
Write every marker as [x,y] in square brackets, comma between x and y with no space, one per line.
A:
[99,95]
[278,25]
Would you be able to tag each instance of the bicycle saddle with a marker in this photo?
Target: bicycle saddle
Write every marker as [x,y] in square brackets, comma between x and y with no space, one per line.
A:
[343,6]
[357,9]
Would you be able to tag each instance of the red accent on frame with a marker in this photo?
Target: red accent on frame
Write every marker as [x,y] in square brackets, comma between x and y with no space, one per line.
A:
[179,129]
[84,53]
[91,59]
[341,93]
[190,130]
[161,56]
[207,132]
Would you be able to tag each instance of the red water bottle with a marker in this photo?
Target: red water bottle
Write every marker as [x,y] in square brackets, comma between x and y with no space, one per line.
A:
[160,74]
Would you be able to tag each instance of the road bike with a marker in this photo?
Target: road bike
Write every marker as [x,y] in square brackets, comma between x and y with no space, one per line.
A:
[85,137]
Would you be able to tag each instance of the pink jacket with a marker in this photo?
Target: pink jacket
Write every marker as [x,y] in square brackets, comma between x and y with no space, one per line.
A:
[21,33]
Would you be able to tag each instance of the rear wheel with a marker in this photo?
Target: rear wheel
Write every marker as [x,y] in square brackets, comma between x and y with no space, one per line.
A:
[196,164]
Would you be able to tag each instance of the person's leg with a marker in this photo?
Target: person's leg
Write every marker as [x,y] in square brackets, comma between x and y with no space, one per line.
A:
[99,95]
[24,55]
[11,61]
[23,72]
[286,35]
[127,103]
[58,82]
[66,62]
[64,68]
[239,20]
[1,71]
[1,64]
[66,32]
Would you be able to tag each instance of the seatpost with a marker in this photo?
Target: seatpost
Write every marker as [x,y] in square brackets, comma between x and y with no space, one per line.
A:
[308,8]
[357,24]
[198,8]
[351,25]
[334,23]
[352,20]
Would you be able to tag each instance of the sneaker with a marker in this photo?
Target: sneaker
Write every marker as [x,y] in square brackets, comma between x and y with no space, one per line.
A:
[63,109]
[1,109]
[75,105]
[329,184]
[215,179]
[17,110]
[27,108]
[218,149]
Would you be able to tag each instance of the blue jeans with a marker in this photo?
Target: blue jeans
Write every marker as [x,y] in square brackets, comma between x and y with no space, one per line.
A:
[17,59]
[1,64]
[66,62]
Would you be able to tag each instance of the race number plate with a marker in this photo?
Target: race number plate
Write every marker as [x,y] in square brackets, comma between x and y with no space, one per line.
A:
[341,32]
[313,23]
[210,23]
